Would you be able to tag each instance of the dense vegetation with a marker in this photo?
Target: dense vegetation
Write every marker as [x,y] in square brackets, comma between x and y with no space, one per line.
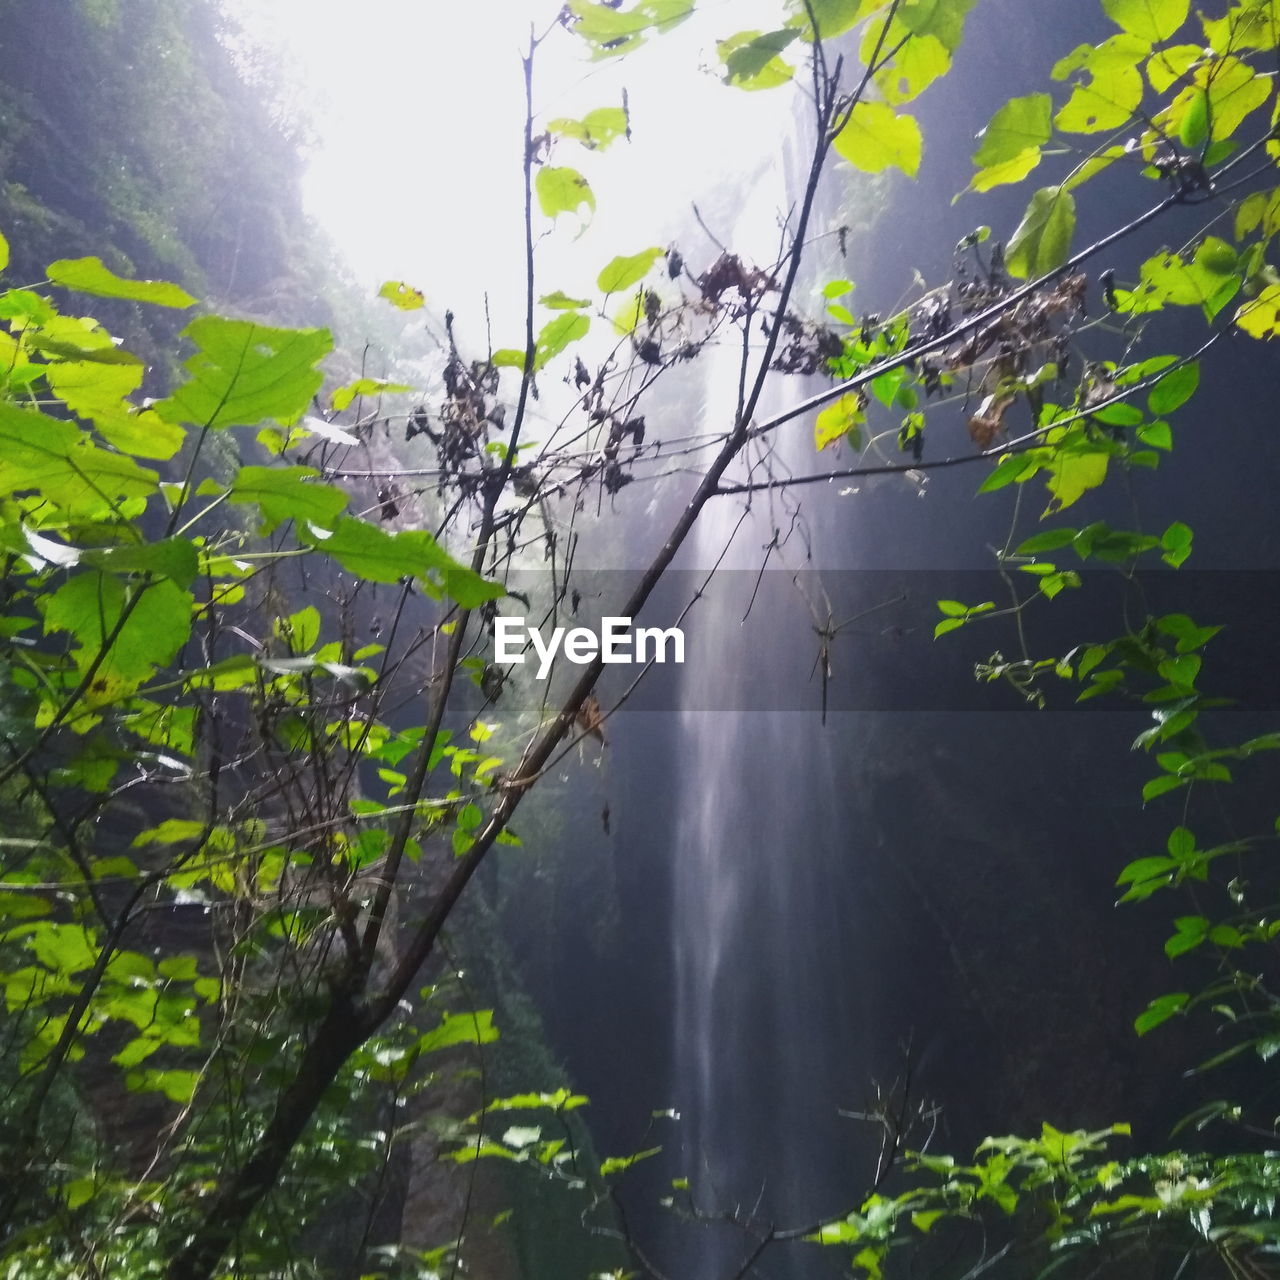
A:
[237,832]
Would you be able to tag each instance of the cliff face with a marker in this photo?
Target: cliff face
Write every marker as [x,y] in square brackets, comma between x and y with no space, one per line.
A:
[127,132]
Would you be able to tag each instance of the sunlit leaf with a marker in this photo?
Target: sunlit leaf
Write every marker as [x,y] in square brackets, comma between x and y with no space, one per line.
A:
[596,130]
[372,553]
[558,334]
[1261,317]
[403,297]
[751,59]
[1019,124]
[839,419]
[562,190]
[58,459]
[343,396]
[1174,389]
[877,138]
[1150,20]
[1042,241]
[287,493]
[88,275]
[920,61]
[243,373]
[627,270]
[145,625]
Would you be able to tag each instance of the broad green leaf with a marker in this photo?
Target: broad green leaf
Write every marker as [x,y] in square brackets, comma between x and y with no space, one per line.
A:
[943,19]
[88,275]
[613,32]
[1073,473]
[557,334]
[560,301]
[921,61]
[1174,389]
[876,138]
[1019,124]
[59,461]
[751,59]
[91,604]
[1259,211]
[98,392]
[997,175]
[243,373]
[1167,66]
[1208,281]
[841,418]
[1226,90]
[1150,20]
[373,554]
[627,270]
[1042,241]
[834,17]
[459,1028]
[343,396]
[562,190]
[173,558]
[1250,24]
[4,253]
[403,297]
[287,493]
[1107,100]
[596,130]
[1261,317]
[1161,1010]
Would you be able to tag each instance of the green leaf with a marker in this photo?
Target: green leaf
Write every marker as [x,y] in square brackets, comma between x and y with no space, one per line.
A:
[596,130]
[4,253]
[243,373]
[616,1164]
[287,493]
[149,623]
[459,1028]
[1174,389]
[1049,540]
[88,275]
[371,553]
[557,334]
[1072,473]
[1161,1010]
[751,59]
[402,296]
[834,17]
[1020,124]
[98,391]
[1150,20]
[1176,541]
[877,138]
[627,270]
[560,301]
[562,190]
[173,558]
[343,396]
[921,61]
[1261,317]
[1042,241]
[1106,101]
[57,460]
[841,418]
[943,19]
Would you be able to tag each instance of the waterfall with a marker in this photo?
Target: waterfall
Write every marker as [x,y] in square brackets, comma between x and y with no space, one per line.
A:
[763,1011]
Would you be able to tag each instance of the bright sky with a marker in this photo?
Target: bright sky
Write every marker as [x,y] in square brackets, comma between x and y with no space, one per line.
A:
[418,107]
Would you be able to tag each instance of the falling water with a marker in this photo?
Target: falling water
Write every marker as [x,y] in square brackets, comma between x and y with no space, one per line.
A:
[759,1073]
